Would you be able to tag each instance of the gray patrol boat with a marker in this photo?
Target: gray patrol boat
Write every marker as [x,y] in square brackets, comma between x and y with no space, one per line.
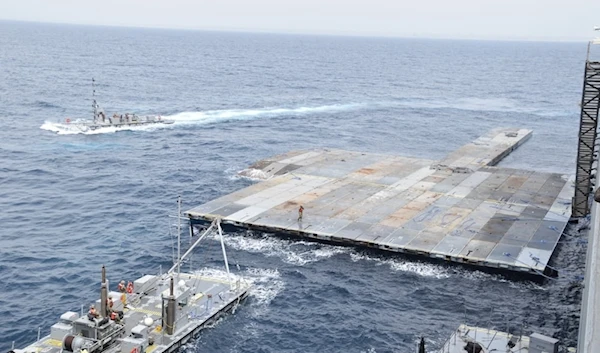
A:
[154,314]
[101,120]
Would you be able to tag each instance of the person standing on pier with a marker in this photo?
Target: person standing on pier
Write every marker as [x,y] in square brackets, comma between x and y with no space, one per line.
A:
[300,213]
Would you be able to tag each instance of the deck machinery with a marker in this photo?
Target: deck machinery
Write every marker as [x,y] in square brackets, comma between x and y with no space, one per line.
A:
[157,315]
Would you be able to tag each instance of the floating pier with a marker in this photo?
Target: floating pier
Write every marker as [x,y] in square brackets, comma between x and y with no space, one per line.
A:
[460,209]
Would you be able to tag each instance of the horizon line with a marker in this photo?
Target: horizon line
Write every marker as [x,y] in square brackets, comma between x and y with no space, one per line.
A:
[302,32]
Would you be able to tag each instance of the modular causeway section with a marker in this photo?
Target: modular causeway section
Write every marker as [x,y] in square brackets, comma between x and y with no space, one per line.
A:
[460,209]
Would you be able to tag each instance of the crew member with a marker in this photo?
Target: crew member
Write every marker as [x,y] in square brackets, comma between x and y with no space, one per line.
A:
[122,287]
[114,316]
[92,314]
[129,287]
[109,304]
[124,300]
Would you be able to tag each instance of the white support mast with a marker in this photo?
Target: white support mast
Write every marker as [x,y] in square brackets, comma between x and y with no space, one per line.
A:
[224,253]
[176,266]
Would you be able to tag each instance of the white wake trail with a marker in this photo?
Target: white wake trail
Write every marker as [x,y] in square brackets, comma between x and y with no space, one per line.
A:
[207,117]
[213,116]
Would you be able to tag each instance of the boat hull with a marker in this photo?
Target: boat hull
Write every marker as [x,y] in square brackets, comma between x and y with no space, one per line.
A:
[90,125]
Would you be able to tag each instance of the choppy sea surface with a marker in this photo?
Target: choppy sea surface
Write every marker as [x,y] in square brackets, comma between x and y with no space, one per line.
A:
[71,202]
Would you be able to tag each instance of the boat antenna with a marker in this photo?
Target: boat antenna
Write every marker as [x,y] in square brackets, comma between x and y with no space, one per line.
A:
[178,235]
[94,104]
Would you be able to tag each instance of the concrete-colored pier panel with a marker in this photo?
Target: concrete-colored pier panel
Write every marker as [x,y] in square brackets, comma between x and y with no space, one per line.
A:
[488,149]
[460,209]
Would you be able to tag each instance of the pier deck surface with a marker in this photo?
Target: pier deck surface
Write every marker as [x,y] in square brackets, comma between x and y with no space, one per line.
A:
[459,209]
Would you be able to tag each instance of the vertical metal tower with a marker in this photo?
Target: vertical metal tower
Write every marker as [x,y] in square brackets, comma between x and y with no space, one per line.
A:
[588,133]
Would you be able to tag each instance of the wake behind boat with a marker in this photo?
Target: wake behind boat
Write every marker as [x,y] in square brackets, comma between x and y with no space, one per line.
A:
[101,120]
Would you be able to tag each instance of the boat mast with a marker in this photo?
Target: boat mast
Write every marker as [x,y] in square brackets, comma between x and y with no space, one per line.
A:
[94,104]
[224,253]
[178,236]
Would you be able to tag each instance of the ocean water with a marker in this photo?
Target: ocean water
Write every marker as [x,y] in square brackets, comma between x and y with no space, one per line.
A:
[71,202]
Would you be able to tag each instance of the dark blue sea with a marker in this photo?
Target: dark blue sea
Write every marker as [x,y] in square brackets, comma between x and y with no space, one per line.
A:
[71,202]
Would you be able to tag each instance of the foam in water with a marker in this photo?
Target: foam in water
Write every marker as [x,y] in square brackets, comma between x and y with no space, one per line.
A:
[300,253]
[252,174]
[421,269]
[213,116]
[370,350]
[294,253]
[440,272]
[266,283]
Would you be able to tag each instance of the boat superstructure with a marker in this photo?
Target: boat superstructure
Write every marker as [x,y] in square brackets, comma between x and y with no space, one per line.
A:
[117,120]
[154,314]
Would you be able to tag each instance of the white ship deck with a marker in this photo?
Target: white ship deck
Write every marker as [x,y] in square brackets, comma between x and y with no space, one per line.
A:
[202,300]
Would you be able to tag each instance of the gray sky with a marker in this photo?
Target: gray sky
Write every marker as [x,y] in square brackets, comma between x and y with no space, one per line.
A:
[473,19]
